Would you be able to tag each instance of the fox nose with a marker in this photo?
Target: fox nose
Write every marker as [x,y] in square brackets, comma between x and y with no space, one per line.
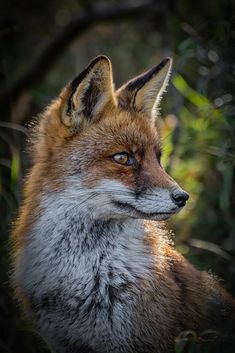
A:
[179,197]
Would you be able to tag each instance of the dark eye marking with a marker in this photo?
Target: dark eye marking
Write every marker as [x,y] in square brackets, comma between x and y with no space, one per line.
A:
[124,158]
[159,156]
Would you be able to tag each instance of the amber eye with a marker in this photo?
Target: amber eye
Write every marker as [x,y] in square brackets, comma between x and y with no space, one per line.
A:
[124,159]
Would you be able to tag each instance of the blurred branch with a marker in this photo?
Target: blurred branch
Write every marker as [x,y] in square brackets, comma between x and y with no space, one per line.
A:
[75,27]
[206,245]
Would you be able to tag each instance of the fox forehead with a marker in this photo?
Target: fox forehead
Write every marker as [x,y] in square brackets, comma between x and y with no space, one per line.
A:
[119,131]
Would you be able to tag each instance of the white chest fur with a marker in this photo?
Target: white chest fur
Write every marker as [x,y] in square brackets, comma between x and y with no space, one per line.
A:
[75,269]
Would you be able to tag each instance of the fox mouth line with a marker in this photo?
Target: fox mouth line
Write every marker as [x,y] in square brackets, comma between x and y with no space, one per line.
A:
[129,207]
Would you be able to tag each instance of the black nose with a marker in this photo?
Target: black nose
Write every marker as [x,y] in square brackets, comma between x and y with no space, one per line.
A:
[179,197]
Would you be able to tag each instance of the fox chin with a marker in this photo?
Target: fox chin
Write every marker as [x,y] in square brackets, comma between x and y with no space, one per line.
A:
[89,272]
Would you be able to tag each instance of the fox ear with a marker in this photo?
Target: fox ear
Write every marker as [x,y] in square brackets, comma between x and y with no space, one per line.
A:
[144,92]
[89,93]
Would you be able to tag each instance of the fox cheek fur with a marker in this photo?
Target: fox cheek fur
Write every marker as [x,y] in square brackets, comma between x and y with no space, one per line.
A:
[91,274]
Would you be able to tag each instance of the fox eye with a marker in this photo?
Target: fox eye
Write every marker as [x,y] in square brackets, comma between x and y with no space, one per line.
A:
[124,159]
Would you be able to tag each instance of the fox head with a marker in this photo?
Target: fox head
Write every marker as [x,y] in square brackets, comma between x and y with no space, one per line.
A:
[101,148]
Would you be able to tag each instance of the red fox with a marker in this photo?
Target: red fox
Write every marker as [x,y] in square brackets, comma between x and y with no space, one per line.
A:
[91,266]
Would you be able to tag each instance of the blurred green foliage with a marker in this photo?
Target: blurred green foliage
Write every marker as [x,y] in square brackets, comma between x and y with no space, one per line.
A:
[198,125]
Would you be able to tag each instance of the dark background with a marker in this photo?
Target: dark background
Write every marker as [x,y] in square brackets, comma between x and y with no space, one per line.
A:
[44,44]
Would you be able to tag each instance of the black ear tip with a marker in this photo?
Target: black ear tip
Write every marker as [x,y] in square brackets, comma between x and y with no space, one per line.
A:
[98,59]
[78,79]
[166,61]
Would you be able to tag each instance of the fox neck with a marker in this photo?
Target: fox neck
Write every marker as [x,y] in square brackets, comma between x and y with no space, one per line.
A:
[67,243]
